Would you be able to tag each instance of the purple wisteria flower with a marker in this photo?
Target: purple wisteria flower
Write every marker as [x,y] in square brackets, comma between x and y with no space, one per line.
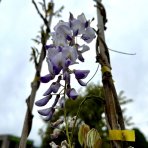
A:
[54,87]
[88,35]
[45,112]
[71,93]
[82,83]
[62,34]
[78,25]
[46,78]
[61,55]
[48,112]
[81,74]
[43,101]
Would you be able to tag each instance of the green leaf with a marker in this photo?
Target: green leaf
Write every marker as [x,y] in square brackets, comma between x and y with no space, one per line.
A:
[82,134]
[93,139]
[36,41]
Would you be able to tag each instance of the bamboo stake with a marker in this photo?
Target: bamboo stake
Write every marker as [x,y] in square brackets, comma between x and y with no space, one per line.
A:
[112,107]
[36,83]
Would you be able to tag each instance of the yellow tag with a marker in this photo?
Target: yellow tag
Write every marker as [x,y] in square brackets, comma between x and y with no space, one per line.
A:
[129,135]
[105,69]
[122,135]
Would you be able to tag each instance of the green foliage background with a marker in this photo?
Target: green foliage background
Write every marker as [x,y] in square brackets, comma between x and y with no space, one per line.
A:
[91,113]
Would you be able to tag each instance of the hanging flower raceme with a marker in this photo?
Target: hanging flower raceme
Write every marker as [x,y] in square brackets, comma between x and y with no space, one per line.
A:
[61,54]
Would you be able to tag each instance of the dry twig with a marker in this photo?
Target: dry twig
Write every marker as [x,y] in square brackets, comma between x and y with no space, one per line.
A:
[36,83]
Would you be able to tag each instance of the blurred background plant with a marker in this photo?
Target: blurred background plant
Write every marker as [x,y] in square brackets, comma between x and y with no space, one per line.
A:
[91,113]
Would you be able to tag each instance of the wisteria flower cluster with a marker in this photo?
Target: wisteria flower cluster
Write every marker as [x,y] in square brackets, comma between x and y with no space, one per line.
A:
[61,54]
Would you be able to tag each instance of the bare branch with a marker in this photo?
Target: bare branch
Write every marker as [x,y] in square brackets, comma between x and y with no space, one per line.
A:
[36,81]
[37,9]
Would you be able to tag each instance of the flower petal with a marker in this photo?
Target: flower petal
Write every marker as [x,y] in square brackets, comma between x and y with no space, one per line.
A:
[82,18]
[72,94]
[80,56]
[50,115]
[77,27]
[49,46]
[57,62]
[84,48]
[56,69]
[71,17]
[55,87]
[46,78]
[62,30]
[88,35]
[45,112]
[52,51]
[43,101]
[68,62]
[70,53]
[81,74]
[87,24]
[69,38]
[50,66]
[81,82]
[48,91]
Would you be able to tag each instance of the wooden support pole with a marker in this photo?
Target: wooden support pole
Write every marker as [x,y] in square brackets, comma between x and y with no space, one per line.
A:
[113,110]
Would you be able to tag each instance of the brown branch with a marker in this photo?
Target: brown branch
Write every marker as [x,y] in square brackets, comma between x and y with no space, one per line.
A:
[38,11]
[40,14]
[35,84]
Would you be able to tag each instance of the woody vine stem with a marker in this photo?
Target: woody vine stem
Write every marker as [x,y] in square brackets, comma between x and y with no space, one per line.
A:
[112,107]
